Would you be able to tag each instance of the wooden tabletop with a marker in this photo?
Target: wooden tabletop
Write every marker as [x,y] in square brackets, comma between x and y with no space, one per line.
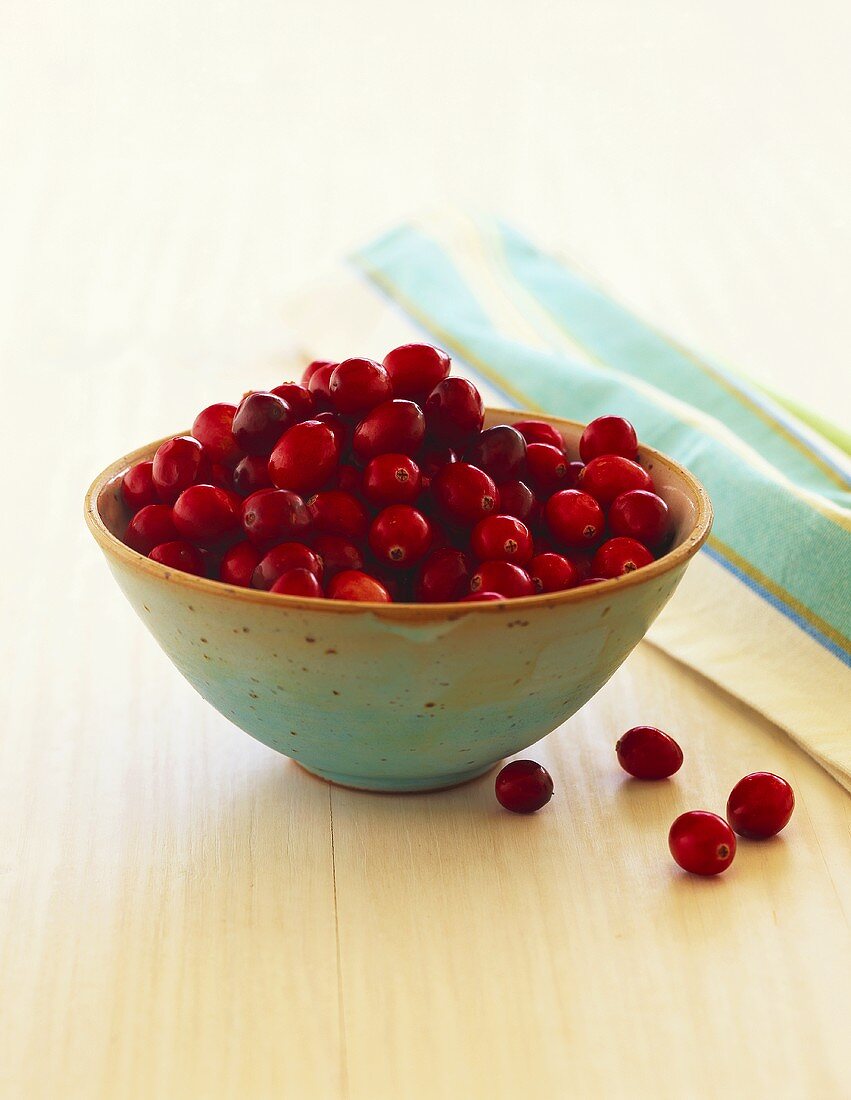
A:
[184,913]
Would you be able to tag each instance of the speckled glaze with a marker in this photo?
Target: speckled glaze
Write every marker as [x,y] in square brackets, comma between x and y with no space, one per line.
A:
[399,697]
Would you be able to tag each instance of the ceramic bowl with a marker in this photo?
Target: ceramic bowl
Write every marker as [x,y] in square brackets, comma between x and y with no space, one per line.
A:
[399,697]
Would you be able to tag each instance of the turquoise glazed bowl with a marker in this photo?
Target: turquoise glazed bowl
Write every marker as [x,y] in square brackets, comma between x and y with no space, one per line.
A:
[399,697]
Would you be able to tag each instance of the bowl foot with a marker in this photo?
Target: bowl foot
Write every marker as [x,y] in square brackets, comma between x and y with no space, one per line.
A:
[399,785]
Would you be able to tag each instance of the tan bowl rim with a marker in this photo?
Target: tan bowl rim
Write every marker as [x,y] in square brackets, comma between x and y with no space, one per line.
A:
[115,548]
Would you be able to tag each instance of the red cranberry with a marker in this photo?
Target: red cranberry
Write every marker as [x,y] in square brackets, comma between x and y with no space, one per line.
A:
[581,561]
[298,582]
[299,398]
[337,554]
[238,564]
[482,597]
[502,538]
[352,584]
[313,367]
[335,512]
[178,463]
[342,431]
[213,428]
[358,385]
[539,431]
[608,476]
[305,458]
[205,512]
[434,459]
[415,369]
[571,478]
[464,493]
[260,421]
[150,526]
[546,467]
[454,412]
[552,573]
[137,486]
[500,452]
[575,518]
[702,843]
[281,559]
[251,474]
[760,805]
[319,384]
[608,435]
[502,577]
[517,499]
[648,753]
[444,576]
[179,555]
[523,786]
[639,515]
[391,479]
[349,478]
[394,427]
[619,556]
[221,476]
[400,535]
[274,515]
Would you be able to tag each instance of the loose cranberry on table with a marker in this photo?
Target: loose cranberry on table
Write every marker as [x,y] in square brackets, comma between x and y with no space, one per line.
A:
[500,452]
[305,458]
[213,428]
[523,786]
[205,512]
[238,564]
[415,369]
[648,753]
[502,538]
[260,421]
[502,577]
[517,499]
[352,584]
[178,463]
[539,431]
[394,427]
[620,556]
[150,526]
[444,576]
[281,559]
[552,573]
[298,397]
[464,494]
[400,535]
[702,843]
[760,805]
[608,435]
[179,555]
[337,554]
[608,476]
[137,486]
[334,512]
[454,413]
[298,582]
[574,518]
[546,468]
[358,385]
[274,515]
[639,515]
[391,479]
[251,474]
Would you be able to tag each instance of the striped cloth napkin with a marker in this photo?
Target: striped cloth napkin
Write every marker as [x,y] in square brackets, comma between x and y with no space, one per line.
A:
[765,609]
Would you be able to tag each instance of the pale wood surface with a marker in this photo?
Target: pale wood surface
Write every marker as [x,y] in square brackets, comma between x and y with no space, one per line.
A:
[182,912]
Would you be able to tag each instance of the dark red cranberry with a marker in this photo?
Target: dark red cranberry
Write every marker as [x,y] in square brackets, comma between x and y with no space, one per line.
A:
[274,515]
[571,478]
[464,494]
[342,431]
[238,564]
[319,385]
[481,597]
[221,476]
[523,786]
[352,584]
[349,478]
[574,518]
[305,458]
[337,554]
[415,369]
[552,573]
[260,421]
[213,428]
[454,413]
[281,559]
[502,577]
[760,805]
[205,512]
[539,431]
[395,427]
[137,486]
[400,536]
[702,843]
[358,385]
[335,512]
[546,468]
[298,582]
[178,463]
[608,476]
[179,555]
[648,753]
[251,474]
[391,479]
[499,451]
[517,499]
[313,367]
[299,398]
[150,526]
[581,561]
[443,577]
[433,459]
[502,538]
[608,435]
[619,556]
[639,515]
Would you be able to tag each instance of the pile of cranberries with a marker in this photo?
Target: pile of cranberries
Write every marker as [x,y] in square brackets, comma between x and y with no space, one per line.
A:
[376,481]
[759,806]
